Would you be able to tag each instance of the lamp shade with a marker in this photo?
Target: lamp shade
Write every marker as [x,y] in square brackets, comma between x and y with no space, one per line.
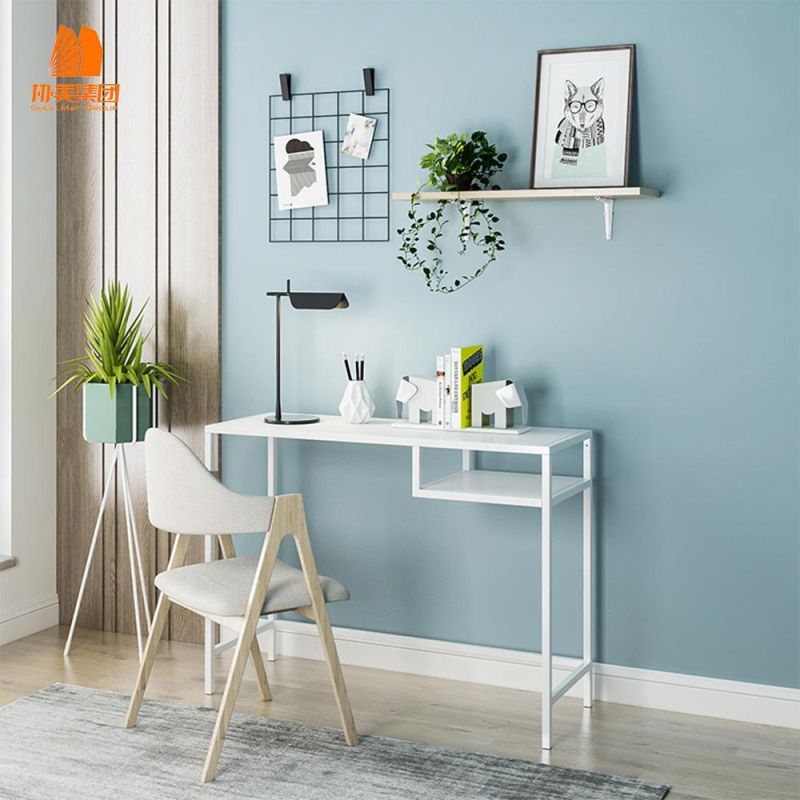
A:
[318,301]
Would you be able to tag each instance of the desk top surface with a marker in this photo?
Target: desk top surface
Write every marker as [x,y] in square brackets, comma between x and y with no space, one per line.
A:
[382,432]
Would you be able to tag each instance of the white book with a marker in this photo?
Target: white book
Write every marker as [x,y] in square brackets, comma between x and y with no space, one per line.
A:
[455,388]
[448,393]
[440,393]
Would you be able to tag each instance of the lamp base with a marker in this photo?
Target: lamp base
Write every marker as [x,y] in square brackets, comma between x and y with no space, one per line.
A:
[291,419]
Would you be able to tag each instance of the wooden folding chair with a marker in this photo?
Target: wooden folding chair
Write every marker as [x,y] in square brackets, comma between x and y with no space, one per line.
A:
[184,498]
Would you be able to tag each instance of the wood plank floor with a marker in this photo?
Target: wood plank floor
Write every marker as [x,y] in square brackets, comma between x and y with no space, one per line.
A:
[702,758]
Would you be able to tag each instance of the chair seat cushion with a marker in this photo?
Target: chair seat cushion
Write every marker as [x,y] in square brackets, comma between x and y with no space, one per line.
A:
[223,587]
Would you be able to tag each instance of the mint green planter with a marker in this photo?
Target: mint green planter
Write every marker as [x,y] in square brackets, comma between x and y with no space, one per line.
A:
[125,417]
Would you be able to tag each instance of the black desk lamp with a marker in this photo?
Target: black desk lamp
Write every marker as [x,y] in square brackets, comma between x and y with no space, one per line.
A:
[318,301]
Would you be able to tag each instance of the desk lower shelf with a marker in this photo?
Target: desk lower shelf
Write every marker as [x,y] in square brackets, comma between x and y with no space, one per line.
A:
[500,488]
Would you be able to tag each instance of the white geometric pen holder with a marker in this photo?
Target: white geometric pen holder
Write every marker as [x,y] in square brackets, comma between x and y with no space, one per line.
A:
[356,406]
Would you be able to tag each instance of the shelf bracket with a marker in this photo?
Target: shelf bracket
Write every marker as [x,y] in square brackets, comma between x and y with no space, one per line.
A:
[608,214]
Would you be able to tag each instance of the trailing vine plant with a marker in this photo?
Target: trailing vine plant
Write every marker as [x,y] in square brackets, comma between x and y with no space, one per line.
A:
[458,162]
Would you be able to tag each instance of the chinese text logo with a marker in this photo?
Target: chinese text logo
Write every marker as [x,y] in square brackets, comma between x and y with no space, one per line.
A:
[74,56]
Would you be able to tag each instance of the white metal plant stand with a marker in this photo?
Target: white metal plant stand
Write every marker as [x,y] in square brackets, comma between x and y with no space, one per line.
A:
[542,490]
[138,584]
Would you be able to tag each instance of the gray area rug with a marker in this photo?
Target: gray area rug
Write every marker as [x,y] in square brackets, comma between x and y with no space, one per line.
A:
[68,743]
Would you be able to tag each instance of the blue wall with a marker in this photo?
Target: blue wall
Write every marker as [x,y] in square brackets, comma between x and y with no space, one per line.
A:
[677,341]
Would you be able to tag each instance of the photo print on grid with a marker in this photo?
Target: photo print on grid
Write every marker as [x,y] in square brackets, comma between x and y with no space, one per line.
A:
[300,170]
[358,136]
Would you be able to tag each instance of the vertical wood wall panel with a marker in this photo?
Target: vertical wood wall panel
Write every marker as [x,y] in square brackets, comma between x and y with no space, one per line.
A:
[162,216]
[112,574]
[194,233]
[136,238]
[79,194]
[144,184]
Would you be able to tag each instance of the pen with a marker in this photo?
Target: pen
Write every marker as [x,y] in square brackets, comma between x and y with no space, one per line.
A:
[347,367]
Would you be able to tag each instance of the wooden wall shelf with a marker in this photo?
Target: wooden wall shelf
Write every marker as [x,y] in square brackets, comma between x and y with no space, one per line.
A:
[604,194]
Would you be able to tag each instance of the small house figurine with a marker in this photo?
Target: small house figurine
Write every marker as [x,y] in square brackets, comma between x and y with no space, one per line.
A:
[418,396]
[493,404]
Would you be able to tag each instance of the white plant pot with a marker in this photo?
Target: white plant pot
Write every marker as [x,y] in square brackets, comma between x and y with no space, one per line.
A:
[356,406]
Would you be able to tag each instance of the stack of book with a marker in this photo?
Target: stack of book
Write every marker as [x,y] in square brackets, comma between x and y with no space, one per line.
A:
[456,371]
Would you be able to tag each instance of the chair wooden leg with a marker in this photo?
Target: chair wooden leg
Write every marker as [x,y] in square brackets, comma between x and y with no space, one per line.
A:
[229,551]
[148,659]
[226,707]
[242,653]
[320,613]
[261,671]
[156,632]
[337,676]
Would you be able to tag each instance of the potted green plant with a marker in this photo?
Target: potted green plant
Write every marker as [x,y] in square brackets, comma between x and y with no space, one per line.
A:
[117,384]
[456,163]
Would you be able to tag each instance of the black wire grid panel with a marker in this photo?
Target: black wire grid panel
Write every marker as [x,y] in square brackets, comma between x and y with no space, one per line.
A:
[358,190]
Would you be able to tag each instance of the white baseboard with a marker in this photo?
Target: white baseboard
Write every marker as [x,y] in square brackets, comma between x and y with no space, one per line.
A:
[27,618]
[514,669]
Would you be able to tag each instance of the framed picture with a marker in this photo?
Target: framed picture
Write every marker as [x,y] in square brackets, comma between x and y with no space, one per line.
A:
[300,170]
[582,117]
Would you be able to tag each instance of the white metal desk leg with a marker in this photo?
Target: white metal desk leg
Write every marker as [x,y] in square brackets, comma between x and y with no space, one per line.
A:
[547,652]
[588,616]
[209,630]
[269,633]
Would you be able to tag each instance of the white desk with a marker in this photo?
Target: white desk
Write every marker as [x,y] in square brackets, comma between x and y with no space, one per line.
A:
[543,490]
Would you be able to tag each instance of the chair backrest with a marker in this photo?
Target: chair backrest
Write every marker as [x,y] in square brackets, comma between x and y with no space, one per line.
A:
[184,497]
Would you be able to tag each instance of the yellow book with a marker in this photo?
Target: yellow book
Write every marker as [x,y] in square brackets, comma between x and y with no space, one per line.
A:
[466,369]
